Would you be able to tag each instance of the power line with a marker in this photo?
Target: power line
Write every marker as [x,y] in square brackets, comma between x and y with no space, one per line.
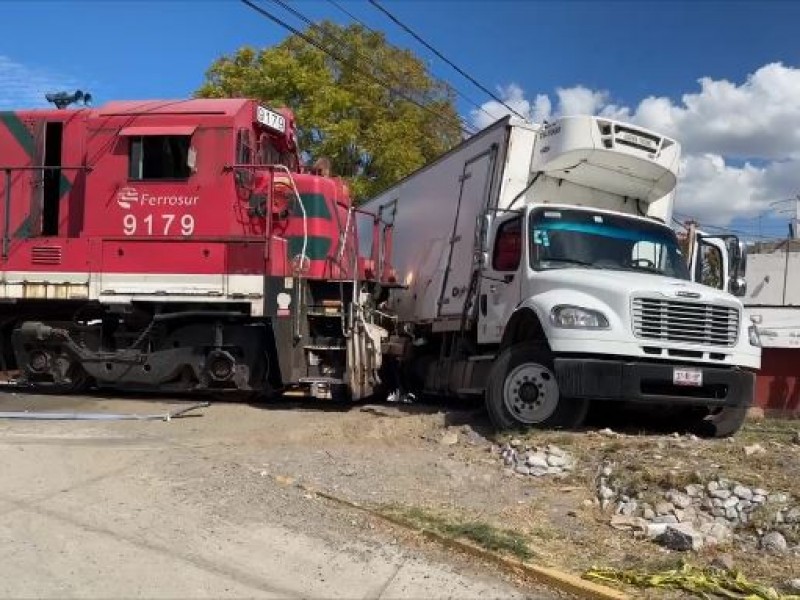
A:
[469,77]
[268,15]
[458,92]
[351,15]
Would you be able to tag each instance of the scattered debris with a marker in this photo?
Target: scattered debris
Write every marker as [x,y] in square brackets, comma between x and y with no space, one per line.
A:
[450,438]
[99,416]
[688,578]
[537,462]
[755,413]
[754,449]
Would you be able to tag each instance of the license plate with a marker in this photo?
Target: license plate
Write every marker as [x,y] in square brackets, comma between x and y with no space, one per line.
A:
[689,377]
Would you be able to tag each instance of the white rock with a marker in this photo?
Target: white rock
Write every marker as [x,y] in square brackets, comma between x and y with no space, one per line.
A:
[743,492]
[664,508]
[694,490]
[793,516]
[760,492]
[793,584]
[608,432]
[774,543]
[605,493]
[668,519]
[731,514]
[606,472]
[712,486]
[555,451]
[628,522]
[730,502]
[655,530]
[522,470]
[681,500]
[515,443]
[758,499]
[648,513]
[722,494]
[556,461]
[754,449]
[539,459]
[449,439]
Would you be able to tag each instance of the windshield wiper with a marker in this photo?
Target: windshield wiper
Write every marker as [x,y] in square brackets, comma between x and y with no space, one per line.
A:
[570,261]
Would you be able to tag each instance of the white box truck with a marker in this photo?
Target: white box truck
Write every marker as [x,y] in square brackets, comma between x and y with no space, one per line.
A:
[536,266]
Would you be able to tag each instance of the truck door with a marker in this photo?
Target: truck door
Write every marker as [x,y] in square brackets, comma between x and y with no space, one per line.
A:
[476,180]
[501,280]
[709,264]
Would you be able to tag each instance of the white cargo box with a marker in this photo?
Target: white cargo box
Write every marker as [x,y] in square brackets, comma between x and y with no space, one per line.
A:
[433,213]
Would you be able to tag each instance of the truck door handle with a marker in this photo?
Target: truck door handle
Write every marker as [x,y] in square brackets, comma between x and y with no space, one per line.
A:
[508,278]
[484,304]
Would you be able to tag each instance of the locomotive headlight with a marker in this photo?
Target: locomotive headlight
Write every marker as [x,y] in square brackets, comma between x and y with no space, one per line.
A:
[577,317]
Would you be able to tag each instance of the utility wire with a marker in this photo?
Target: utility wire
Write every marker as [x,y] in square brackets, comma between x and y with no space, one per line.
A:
[461,94]
[338,41]
[461,71]
[349,14]
[268,15]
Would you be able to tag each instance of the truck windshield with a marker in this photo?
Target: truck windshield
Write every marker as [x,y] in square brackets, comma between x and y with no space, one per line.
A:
[567,238]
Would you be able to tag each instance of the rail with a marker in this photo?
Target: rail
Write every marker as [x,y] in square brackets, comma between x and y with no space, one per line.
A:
[7,203]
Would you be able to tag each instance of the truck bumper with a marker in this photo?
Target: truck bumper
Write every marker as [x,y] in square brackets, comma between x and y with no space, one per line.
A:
[604,379]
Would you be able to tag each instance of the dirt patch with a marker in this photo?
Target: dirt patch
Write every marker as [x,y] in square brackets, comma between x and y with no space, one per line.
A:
[442,466]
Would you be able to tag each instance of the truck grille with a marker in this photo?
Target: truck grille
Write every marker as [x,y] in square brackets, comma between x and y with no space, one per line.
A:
[686,322]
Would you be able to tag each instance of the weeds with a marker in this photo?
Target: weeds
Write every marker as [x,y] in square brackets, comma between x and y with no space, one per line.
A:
[484,535]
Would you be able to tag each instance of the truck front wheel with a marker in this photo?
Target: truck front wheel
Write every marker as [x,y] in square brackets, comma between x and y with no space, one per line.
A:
[522,391]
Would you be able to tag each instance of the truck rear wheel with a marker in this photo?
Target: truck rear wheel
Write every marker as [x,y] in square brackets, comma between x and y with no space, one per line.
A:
[522,391]
[721,422]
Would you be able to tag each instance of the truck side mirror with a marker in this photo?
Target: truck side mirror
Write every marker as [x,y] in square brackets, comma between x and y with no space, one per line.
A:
[484,228]
[737,265]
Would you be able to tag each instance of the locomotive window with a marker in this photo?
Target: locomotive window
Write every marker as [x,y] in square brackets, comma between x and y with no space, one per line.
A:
[159,157]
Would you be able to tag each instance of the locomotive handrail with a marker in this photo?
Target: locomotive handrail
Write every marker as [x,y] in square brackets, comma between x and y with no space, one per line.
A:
[7,204]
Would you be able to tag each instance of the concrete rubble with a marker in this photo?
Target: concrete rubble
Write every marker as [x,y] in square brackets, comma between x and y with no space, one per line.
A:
[718,512]
[536,461]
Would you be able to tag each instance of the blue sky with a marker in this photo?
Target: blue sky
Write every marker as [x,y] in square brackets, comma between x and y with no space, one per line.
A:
[623,51]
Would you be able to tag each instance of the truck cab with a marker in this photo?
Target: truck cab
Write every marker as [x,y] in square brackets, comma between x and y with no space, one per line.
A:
[547,276]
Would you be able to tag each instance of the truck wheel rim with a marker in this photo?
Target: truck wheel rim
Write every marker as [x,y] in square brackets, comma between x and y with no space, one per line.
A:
[530,393]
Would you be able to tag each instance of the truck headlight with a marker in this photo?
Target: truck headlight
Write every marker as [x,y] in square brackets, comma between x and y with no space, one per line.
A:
[752,333]
[575,317]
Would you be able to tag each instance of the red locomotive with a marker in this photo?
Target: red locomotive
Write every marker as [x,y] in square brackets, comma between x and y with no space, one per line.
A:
[180,245]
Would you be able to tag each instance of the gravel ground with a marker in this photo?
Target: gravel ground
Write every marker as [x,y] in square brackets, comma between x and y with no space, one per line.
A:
[206,506]
[238,465]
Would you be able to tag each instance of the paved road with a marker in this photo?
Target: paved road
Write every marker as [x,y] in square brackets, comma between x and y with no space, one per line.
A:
[148,509]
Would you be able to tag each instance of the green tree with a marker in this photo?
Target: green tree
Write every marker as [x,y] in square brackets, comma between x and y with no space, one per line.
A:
[371,135]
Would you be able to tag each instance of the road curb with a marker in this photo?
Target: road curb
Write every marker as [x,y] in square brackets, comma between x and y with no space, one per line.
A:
[555,578]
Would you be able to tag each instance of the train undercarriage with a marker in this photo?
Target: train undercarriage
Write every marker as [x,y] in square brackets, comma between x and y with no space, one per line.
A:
[328,350]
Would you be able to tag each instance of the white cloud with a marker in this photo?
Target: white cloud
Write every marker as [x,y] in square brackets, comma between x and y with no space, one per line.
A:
[579,100]
[741,141]
[24,86]
[514,98]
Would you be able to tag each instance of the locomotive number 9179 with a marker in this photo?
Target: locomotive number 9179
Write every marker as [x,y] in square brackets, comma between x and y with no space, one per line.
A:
[159,224]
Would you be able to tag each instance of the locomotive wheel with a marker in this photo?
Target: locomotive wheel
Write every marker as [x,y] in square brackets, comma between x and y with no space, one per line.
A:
[522,391]
[78,381]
